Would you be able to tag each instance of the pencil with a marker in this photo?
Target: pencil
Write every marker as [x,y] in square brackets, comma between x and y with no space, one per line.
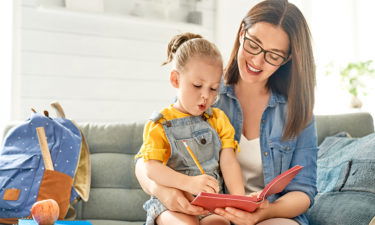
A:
[191,153]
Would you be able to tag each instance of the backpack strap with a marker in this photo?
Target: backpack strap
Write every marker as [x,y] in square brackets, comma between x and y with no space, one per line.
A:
[59,110]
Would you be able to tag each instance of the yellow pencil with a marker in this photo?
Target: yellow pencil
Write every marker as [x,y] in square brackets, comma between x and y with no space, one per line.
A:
[191,153]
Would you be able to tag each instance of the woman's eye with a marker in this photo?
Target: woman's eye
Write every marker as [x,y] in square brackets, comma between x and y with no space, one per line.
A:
[253,46]
[274,56]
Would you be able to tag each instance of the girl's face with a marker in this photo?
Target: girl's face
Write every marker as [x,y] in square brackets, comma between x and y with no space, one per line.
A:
[198,85]
[264,36]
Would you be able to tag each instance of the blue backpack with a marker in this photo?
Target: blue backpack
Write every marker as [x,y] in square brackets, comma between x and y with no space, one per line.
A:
[25,176]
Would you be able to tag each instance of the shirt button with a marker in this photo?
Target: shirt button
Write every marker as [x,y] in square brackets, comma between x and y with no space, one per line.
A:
[263,121]
[203,141]
[266,153]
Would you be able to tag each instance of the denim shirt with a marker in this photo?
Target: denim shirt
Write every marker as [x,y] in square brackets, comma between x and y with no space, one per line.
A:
[278,155]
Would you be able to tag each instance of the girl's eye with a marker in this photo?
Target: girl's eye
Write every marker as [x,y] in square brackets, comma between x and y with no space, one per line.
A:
[213,89]
[197,85]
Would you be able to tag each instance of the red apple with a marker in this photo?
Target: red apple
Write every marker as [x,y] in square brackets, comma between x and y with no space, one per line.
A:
[45,212]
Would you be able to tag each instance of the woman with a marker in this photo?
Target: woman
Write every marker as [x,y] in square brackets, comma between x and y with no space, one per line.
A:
[268,94]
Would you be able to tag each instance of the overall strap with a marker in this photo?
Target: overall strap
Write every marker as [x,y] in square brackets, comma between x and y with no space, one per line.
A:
[158,117]
[207,114]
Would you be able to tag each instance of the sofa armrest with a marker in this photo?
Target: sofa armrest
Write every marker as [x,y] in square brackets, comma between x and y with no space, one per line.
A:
[356,124]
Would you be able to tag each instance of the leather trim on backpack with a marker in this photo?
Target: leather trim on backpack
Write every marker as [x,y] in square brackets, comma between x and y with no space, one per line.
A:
[56,185]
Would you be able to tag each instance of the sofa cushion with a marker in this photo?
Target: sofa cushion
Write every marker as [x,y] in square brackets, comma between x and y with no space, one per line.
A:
[345,181]
[342,208]
[115,192]
[346,163]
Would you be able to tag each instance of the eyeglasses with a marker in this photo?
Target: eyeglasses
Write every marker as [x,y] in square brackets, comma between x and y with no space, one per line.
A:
[254,48]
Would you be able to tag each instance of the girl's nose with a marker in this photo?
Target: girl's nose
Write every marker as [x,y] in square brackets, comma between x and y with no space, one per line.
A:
[204,96]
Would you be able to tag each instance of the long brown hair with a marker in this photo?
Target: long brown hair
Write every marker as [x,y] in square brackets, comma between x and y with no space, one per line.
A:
[295,79]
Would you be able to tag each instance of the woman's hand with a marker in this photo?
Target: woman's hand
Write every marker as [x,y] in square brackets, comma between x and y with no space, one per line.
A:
[178,201]
[240,217]
[290,205]
[237,216]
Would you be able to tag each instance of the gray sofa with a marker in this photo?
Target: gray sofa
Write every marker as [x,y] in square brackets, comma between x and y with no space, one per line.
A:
[116,197]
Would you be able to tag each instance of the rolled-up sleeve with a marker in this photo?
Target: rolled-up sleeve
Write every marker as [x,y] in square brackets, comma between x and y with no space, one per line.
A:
[155,145]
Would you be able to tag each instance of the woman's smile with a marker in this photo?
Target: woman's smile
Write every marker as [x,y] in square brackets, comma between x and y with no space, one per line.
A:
[252,70]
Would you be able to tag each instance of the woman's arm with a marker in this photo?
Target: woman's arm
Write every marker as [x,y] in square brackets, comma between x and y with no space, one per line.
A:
[231,171]
[173,199]
[289,205]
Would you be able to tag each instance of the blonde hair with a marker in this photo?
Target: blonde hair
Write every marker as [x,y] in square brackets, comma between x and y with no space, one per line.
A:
[184,46]
[295,79]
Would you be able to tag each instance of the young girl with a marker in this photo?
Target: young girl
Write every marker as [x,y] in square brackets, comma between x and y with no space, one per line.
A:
[191,124]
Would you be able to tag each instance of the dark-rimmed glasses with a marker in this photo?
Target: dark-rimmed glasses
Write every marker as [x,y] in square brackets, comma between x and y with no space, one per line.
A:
[254,48]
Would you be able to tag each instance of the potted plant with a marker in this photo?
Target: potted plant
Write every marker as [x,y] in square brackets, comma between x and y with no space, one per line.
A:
[353,77]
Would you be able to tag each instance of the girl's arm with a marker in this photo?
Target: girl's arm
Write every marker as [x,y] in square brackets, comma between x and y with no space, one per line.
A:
[231,171]
[172,198]
[166,176]
[289,205]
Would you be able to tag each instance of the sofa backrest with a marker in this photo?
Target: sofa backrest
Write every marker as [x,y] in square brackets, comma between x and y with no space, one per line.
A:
[115,192]
[356,124]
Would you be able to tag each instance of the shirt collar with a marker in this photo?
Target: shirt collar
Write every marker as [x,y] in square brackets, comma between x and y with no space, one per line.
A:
[227,90]
[275,97]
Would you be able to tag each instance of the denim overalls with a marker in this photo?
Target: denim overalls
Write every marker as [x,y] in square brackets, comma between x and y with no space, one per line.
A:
[203,141]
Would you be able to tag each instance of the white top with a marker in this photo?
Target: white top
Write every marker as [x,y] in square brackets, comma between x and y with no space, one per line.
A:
[250,161]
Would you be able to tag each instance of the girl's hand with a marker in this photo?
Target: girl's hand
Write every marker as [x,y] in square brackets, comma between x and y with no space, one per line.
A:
[178,201]
[202,183]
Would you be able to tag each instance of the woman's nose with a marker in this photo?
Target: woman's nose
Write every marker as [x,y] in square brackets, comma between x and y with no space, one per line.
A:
[258,60]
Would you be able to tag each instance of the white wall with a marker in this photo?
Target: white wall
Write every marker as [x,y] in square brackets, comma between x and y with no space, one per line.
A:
[228,18]
[102,67]
[106,66]
[6,54]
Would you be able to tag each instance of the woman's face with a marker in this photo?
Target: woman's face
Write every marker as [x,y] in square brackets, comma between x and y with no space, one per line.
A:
[253,68]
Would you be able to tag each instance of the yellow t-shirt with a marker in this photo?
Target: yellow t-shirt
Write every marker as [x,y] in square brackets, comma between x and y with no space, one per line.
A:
[155,143]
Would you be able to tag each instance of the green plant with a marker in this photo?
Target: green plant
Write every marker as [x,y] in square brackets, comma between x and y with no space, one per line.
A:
[354,75]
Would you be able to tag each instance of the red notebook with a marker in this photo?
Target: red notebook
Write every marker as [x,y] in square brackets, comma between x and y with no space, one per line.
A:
[211,201]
